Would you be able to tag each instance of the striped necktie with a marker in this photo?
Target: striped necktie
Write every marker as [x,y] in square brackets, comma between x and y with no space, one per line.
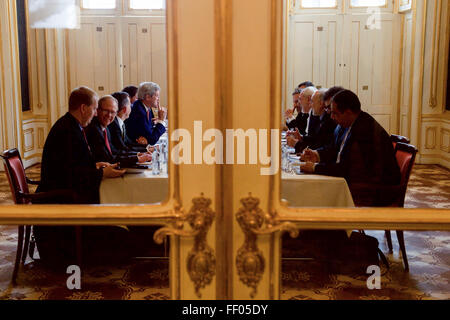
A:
[107,141]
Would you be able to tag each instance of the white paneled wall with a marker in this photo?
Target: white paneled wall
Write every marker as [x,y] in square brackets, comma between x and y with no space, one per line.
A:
[109,53]
[341,50]
[34,134]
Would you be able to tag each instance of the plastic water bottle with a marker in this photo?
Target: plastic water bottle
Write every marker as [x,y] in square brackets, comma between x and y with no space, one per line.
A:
[156,166]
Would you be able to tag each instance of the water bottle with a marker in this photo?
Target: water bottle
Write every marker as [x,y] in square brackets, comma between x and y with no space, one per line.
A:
[155,162]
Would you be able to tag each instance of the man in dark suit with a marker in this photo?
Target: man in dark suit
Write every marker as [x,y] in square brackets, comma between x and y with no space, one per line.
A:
[146,117]
[321,127]
[99,137]
[67,161]
[300,123]
[117,129]
[68,164]
[291,121]
[361,152]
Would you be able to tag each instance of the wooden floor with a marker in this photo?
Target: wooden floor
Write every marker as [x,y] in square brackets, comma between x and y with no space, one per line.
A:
[428,255]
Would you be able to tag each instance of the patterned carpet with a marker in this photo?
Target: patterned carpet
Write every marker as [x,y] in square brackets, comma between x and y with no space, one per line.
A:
[147,279]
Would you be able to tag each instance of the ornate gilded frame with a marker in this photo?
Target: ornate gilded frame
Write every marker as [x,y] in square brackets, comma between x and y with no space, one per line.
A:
[331,218]
[167,213]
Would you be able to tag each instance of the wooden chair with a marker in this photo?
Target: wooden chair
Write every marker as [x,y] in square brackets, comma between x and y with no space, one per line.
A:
[18,183]
[406,155]
[396,138]
[367,195]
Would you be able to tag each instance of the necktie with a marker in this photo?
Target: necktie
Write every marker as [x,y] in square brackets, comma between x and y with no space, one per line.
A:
[123,132]
[338,160]
[85,139]
[148,114]
[107,141]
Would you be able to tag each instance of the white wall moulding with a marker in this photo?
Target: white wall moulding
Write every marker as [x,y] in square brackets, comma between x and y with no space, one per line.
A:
[445,141]
[430,138]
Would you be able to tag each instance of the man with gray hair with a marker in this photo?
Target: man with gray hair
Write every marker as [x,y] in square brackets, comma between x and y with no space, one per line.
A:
[320,129]
[147,116]
[300,124]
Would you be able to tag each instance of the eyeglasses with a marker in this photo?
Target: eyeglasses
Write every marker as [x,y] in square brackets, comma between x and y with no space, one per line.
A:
[113,113]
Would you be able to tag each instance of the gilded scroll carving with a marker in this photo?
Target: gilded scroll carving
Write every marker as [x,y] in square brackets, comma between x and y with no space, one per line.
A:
[201,261]
[250,261]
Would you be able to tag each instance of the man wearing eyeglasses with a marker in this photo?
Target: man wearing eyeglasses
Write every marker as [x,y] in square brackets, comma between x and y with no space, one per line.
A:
[321,126]
[99,137]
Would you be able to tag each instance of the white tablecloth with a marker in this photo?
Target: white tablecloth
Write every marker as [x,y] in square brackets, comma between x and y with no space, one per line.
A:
[302,190]
[309,190]
[135,188]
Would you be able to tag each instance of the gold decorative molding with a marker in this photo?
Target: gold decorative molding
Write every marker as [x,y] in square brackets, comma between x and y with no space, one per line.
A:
[30,133]
[201,261]
[430,137]
[445,140]
[250,261]
[435,54]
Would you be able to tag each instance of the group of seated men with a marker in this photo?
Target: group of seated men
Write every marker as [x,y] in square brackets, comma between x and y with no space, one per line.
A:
[335,137]
[88,144]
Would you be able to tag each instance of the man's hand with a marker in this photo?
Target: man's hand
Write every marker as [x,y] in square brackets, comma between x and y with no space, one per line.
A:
[101,165]
[291,141]
[307,167]
[142,140]
[161,113]
[144,157]
[309,155]
[111,171]
[288,113]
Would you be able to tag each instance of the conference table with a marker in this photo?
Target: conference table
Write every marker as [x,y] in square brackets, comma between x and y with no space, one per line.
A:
[299,190]
[135,188]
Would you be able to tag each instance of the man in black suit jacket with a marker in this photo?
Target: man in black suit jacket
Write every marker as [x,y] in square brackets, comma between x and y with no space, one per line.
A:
[142,123]
[117,129]
[99,137]
[361,152]
[68,163]
[320,130]
[300,123]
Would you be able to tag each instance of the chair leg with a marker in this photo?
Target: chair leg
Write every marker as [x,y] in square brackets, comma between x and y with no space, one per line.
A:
[401,242]
[18,253]
[27,243]
[78,245]
[389,240]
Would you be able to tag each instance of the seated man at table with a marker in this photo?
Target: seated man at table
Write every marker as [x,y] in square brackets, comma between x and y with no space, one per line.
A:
[117,130]
[68,164]
[99,137]
[361,152]
[301,122]
[132,92]
[293,121]
[142,123]
[321,127]
[290,113]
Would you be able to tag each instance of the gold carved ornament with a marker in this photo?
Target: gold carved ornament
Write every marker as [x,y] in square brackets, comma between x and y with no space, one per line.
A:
[201,261]
[250,261]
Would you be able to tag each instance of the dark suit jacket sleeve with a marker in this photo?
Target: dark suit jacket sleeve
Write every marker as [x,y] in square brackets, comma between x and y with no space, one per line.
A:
[67,164]
[137,125]
[320,138]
